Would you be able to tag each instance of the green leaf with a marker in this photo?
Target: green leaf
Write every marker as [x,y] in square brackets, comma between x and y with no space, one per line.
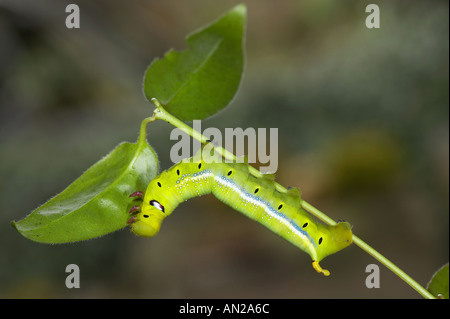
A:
[198,82]
[438,284]
[96,203]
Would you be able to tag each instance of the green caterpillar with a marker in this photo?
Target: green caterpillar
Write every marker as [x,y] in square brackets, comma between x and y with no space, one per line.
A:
[255,197]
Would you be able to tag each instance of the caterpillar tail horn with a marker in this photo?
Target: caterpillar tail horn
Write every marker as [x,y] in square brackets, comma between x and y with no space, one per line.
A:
[319,269]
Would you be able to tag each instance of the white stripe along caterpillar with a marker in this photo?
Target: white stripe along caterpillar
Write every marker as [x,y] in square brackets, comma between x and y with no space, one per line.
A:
[254,196]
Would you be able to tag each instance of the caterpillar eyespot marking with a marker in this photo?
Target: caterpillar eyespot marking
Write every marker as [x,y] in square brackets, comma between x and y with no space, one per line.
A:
[232,184]
[156,204]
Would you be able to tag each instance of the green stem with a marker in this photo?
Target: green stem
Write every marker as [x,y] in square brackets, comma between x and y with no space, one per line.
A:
[143,130]
[414,284]
[375,254]
[162,114]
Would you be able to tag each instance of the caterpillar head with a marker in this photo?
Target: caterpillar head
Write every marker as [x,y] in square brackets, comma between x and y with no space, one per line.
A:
[148,220]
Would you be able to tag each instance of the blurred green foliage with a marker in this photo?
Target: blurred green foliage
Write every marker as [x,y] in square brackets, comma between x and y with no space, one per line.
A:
[438,284]
[363,132]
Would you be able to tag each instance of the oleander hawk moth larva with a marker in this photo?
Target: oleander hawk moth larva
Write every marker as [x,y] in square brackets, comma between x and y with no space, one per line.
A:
[254,196]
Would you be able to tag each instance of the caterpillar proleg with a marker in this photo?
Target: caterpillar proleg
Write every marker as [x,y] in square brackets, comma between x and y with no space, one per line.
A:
[254,196]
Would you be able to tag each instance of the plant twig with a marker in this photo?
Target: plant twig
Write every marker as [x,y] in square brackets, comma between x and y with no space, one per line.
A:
[375,254]
[162,114]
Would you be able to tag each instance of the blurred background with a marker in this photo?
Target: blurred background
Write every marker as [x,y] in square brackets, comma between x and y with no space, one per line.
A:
[363,119]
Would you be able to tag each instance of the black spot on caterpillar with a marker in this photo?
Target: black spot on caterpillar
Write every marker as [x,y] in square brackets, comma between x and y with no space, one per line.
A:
[254,196]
